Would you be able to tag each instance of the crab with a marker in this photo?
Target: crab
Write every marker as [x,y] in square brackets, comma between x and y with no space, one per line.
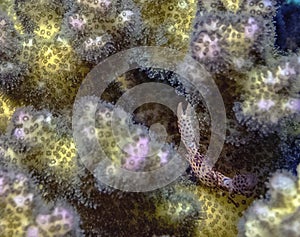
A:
[240,183]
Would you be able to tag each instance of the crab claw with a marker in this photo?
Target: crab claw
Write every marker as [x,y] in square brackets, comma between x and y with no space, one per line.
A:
[184,114]
[179,110]
[188,128]
[244,184]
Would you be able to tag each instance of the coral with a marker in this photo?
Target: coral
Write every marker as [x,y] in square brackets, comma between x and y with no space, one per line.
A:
[168,23]
[43,18]
[11,68]
[7,108]
[277,214]
[11,75]
[54,72]
[222,212]
[232,6]
[177,205]
[38,144]
[47,48]
[9,37]
[208,211]
[23,213]
[268,95]
[231,41]
[128,145]
[7,6]
[101,28]
[42,60]
[266,8]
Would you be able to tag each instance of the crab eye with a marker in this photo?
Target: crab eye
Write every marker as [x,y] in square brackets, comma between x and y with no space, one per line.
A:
[227,182]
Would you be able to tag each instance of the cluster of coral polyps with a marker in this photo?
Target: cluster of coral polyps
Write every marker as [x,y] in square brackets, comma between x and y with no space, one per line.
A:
[223,41]
[232,41]
[46,49]
[39,142]
[131,146]
[208,212]
[270,94]
[23,213]
[34,141]
[279,213]
[239,45]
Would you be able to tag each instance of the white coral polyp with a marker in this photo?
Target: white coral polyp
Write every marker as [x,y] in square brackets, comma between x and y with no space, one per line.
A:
[251,29]
[283,184]
[270,79]
[207,43]
[20,200]
[19,133]
[32,231]
[125,16]
[97,42]
[104,3]
[77,22]
[286,71]
[293,104]
[265,105]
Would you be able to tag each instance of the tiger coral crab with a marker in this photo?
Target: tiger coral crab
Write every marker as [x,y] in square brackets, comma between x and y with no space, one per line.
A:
[208,175]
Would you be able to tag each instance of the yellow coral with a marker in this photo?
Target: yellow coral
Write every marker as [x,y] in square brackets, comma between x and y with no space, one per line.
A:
[211,213]
[260,7]
[45,17]
[265,98]
[232,5]
[279,214]
[177,17]
[222,212]
[179,205]
[7,108]
[16,209]
[59,159]
[55,71]
[50,153]
[8,7]
[126,144]
[17,216]
[236,40]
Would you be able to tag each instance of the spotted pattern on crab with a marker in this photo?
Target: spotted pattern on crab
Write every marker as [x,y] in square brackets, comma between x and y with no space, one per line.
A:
[241,183]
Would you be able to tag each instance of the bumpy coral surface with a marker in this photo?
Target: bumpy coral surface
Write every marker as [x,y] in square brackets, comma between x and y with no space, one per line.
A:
[209,213]
[23,213]
[46,148]
[278,214]
[48,48]
[266,100]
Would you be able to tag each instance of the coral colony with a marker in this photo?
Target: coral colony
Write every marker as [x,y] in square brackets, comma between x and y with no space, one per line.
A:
[48,47]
